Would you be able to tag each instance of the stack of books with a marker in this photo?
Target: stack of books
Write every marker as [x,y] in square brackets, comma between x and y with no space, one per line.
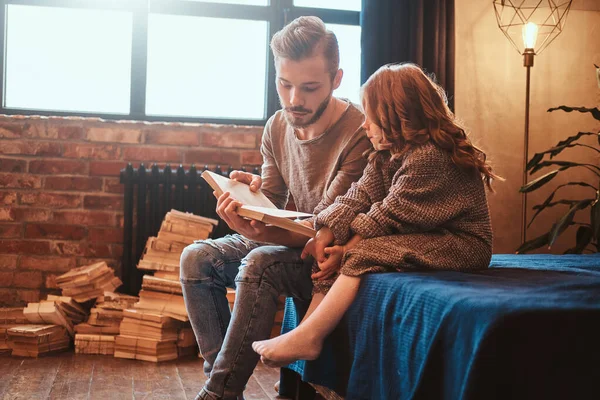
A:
[87,329]
[9,318]
[162,296]
[157,328]
[35,340]
[94,344]
[88,282]
[49,313]
[73,310]
[4,347]
[145,349]
[162,257]
[186,342]
[185,227]
[105,317]
[161,293]
[97,335]
[149,325]
[12,315]
[149,336]
[115,301]
[162,253]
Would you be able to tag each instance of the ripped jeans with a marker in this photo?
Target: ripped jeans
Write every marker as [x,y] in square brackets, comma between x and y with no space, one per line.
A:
[260,273]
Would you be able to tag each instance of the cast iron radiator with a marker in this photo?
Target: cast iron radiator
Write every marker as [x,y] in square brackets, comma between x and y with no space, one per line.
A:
[152,192]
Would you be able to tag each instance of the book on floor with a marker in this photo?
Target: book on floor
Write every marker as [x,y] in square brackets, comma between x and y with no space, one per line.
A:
[257,206]
[35,340]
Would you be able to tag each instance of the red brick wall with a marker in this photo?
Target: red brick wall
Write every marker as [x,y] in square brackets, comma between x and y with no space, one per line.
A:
[60,198]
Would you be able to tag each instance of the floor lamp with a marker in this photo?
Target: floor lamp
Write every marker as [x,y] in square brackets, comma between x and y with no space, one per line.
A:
[530,26]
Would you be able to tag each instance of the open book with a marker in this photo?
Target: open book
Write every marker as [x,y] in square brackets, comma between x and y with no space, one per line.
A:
[257,206]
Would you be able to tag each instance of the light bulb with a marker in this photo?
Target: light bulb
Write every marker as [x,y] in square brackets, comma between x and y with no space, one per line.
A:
[530,32]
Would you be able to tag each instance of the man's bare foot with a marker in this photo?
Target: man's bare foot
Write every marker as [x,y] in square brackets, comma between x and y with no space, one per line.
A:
[287,348]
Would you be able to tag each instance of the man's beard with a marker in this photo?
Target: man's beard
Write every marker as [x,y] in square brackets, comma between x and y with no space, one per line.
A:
[317,115]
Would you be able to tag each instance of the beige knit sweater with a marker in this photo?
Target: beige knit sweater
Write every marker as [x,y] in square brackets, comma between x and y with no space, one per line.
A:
[417,212]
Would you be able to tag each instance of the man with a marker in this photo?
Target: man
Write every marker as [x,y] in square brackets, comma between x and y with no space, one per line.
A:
[312,149]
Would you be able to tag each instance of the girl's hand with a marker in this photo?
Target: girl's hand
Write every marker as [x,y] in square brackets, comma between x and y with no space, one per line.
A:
[323,238]
[309,249]
[316,246]
[331,264]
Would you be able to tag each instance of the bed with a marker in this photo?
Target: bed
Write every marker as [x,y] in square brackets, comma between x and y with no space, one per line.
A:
[528,327]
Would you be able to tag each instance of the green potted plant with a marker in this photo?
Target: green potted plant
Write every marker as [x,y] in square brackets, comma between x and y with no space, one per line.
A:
[587,235]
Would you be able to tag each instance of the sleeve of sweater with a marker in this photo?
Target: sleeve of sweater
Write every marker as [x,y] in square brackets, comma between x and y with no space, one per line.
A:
[273,185]
[339,215]
[426,193]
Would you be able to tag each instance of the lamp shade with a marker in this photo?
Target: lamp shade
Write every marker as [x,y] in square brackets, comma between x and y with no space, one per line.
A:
[527,22]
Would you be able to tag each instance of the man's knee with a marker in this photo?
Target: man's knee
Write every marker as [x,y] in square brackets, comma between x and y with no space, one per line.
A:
[257,266]
[197,262]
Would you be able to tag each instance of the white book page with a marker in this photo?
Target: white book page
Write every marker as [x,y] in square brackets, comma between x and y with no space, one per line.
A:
[277,212]
[241,192]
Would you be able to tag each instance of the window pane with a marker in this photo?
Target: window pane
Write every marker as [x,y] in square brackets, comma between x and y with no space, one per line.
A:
[244,2]
[206,67]
[349,42]
[67,60]
[350,5]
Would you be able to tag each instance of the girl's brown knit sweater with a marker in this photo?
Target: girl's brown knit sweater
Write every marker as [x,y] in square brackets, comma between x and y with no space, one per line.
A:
[419,211]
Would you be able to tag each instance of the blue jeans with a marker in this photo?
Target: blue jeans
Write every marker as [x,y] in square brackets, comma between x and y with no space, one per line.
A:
[260,273]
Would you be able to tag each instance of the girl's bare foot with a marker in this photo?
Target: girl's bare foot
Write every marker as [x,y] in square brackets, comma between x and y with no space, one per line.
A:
[287,348]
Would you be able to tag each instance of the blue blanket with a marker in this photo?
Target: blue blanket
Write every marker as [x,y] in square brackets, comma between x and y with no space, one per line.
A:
[528,327]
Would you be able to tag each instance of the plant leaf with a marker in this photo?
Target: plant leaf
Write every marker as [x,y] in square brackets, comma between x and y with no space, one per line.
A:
[582,239]
[560,146]
[533,243]
[566,202]
[562,224]
[548,202]
[538,182]
[594,111]
[541,207]
[578,184]
[554,151]
[537,157]
[574,138]
[563,164]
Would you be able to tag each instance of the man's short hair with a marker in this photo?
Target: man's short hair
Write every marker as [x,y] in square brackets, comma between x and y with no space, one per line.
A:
[306,37]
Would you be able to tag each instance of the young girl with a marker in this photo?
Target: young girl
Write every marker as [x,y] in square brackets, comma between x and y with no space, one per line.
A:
[421,204]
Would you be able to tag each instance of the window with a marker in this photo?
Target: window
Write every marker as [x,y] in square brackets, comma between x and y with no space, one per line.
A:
[179,60]
[246,2]
[350,5]
[65,59]
[349,43]
[206,79]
